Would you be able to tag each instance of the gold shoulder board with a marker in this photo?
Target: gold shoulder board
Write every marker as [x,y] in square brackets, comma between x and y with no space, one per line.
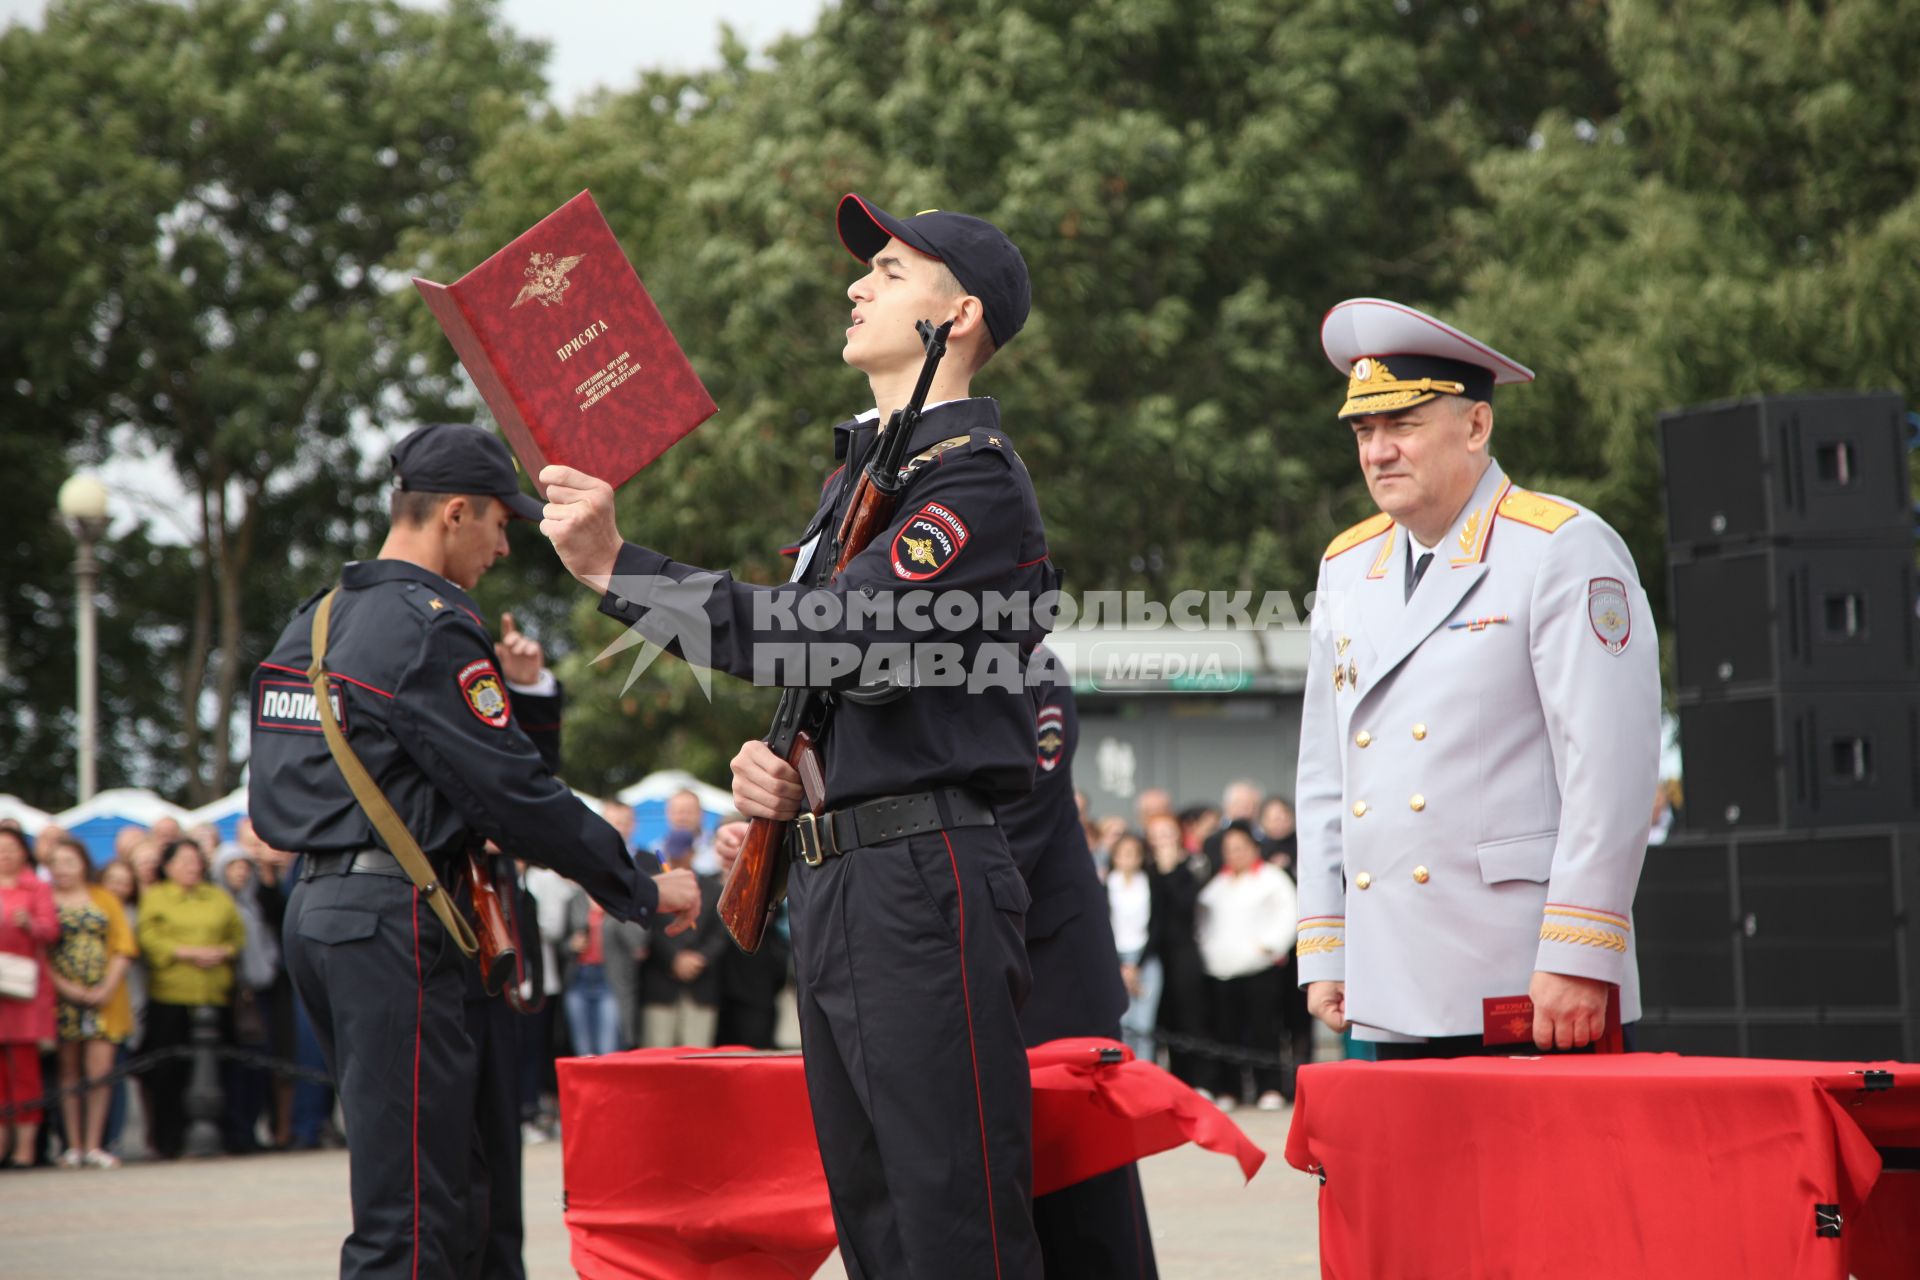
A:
[1538,511]
[1372,527]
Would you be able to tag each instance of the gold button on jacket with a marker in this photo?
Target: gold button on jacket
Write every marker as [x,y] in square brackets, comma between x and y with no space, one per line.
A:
[1362,738]
[1359,808]
[1418,802]
[1420,733]
[1421,875]
[1362,881]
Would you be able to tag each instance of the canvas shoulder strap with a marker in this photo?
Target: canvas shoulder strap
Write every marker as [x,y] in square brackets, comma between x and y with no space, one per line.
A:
[373,801]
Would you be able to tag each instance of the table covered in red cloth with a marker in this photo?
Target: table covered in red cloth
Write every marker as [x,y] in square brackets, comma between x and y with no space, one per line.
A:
[1608,1166]
[702,1164]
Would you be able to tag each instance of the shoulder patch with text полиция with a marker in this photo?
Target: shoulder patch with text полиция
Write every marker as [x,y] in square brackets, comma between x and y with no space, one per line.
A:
[932,538]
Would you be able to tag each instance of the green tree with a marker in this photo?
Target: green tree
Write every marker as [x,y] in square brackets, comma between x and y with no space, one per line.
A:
[1193,185]
[1747,222]
[198,204]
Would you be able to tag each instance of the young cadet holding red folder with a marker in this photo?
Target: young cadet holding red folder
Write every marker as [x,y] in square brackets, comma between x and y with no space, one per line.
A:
[908,948]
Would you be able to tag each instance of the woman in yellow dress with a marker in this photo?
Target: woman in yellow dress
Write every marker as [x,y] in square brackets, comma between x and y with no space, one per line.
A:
[94,1014]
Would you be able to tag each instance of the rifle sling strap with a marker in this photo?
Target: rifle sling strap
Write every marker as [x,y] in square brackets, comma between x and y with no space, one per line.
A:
[373,802]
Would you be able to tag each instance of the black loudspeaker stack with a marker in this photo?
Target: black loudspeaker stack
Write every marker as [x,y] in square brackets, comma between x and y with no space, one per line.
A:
[1775,922]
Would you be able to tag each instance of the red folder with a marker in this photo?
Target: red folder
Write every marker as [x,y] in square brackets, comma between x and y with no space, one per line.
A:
[568,350]
[1509,1020]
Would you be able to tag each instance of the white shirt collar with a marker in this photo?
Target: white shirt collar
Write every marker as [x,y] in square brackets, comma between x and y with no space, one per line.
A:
[873,414]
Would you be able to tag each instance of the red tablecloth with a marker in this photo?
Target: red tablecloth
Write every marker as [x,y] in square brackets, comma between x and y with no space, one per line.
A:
[702,1165]
[1640,1165]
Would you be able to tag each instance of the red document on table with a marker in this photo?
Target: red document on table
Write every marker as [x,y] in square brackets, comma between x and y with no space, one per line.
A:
[568,350]
[1509,1020]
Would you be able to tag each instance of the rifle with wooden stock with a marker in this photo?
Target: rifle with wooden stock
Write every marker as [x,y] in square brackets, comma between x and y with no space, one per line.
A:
[757,882]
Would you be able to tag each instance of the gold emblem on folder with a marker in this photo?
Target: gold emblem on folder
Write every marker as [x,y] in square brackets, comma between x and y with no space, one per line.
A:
[547,278]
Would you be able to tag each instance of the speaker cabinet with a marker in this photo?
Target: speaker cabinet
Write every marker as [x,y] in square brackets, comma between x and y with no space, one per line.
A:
[1786,467]
[1802,616]
[1790,945]
[1801,759]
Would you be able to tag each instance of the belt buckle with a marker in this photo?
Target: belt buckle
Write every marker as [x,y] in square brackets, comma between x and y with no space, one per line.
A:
[807,826]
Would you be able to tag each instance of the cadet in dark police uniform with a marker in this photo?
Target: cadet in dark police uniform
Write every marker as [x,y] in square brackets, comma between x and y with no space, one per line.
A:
[909,960]
[1097,1228]
[418,694]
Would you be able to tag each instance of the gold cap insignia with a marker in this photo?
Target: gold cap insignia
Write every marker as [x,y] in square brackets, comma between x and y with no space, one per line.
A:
[1373,388]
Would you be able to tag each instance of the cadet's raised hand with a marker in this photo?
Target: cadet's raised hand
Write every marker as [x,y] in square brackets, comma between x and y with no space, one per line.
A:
[521,659]
[679,898]
[579,522]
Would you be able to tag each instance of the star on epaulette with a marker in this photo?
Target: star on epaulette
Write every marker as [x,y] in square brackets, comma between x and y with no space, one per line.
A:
[436,603]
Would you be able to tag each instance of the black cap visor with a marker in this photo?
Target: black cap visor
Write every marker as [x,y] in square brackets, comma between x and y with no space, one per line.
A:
[865,230]
[523,505]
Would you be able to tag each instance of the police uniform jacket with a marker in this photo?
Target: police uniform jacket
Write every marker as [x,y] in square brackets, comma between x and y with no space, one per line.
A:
[1076,971]
[967,523]
[418,694]
[1476,763]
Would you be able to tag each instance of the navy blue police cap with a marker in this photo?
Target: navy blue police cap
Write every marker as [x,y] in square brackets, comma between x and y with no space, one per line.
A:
[982,259]
[452,457]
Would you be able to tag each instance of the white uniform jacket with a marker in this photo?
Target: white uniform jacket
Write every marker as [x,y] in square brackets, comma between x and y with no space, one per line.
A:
[1477,763]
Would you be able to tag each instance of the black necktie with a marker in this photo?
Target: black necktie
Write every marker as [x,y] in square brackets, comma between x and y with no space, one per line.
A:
[1419,568]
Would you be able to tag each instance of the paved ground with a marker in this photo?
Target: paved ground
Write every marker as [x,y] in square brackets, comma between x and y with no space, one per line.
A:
[267,1217]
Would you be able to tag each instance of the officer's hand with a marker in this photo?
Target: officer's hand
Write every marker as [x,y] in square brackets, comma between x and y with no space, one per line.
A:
[1568,1012]
[579,522]
[521,660]
[728,841]
[764,785]
[1327,1001]
[679,898]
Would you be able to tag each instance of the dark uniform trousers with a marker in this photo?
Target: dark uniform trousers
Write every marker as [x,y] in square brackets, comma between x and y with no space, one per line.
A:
[494,1250]
[910,970]
[401,1057]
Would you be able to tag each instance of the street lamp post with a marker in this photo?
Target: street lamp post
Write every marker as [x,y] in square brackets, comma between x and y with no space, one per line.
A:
[83,502]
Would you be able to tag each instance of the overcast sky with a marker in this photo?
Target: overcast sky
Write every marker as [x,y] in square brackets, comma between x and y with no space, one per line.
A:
[608,42]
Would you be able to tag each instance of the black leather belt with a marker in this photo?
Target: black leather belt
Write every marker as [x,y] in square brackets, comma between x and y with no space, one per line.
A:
[817,837]
[370,862]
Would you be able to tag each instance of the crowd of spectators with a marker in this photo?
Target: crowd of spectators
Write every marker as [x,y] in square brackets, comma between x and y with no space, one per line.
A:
[108,966]
[116,964]
[1204,917]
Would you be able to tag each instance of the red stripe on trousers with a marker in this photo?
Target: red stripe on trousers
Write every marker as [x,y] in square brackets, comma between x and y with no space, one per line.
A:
[419,1016]
[979,1103]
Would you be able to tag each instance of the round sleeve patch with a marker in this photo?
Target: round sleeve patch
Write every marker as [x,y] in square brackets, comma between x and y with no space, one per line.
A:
[931,539]
[485,693]
[1608,613]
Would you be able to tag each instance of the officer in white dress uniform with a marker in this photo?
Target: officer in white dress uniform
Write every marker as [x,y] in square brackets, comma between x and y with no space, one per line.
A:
[1481,733]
